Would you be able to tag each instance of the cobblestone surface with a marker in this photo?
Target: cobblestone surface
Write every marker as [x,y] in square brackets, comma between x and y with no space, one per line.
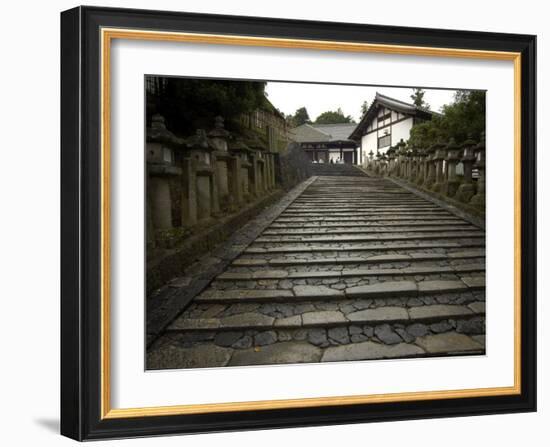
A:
[347,268]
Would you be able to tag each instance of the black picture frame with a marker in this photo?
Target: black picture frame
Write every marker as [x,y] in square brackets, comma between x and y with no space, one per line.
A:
[81,209]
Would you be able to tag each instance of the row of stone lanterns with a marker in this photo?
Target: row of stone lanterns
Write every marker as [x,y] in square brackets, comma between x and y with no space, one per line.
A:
[201,176]
[435,168]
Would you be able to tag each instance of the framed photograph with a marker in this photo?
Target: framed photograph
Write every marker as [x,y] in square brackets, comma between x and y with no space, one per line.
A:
[276,223]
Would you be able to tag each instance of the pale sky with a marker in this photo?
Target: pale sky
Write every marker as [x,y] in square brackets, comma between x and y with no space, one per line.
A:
[318,98]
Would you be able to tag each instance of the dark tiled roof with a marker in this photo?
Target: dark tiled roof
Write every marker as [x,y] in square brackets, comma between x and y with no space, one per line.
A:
[393,104]
[313,133]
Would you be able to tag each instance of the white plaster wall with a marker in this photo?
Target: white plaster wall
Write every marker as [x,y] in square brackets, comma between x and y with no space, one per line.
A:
[368,143]
[400,130]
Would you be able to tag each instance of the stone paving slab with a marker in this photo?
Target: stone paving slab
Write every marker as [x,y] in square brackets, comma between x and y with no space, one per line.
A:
[378,238]
[280,353]
[360,247]
[373,259]
[364,272]
[200,356]
[370,351]
[327,318]
[448,343]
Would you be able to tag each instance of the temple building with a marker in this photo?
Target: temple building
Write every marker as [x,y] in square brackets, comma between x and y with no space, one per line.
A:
[326,143]
[386,122]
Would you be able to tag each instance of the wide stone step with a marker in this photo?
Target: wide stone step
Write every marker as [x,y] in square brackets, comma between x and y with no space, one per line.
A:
[359,219]
[406,271]
[361,247]
[278,231]
[419,213]
[328,318]
[370,224]
[376,259]
[320,292]
[405,236]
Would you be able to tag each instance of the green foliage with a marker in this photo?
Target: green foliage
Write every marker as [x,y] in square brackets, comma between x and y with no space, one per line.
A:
[418,98]
[364,108]
[190,104]
[462,119]
[331,117]
[300,117]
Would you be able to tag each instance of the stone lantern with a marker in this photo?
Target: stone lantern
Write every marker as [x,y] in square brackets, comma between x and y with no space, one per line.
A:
[466,190]
[439,157]
[200,151]
[421,166]
[453,156]
[401,152]
[479,199]
[161,145]
[430,177]
[391,160]
[221,159]
[240,153]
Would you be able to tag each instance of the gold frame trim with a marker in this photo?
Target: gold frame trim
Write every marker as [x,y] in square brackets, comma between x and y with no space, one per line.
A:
[107,35]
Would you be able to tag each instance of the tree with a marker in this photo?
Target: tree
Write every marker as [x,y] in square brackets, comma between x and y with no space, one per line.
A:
[418,98]
[300,117]
[190,104]
[364,108]
[331,117]
[463,118]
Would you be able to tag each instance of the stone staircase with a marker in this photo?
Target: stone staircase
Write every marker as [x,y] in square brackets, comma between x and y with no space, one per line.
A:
[356,268]
[335,169]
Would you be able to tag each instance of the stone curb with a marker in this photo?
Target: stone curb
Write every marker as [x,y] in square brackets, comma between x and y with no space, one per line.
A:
[175,297]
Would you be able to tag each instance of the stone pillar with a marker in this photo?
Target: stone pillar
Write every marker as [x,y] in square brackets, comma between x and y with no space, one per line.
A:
[438,157]
[204,163]
[161,203]
[466,190]
[189,193]
[479,199]
[161,168]
[429,179]
[451,184]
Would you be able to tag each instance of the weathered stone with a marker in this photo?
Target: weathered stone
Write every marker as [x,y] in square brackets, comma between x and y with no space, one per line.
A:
[474,282]
[247,320]
[265,338]
[199,356]
[188,324]
[353,330]
[440,286]
[477,307]
[438,311]
[300,335]
[213,311]
[358,338]
[265,274]
[386,334]
[442,326]
[284,336]
[473,326]
[227,339]
[449,342]
[322,317]
[368,331]
[294,321]
[278,353]
[339,335]
[243,342]
[407,338]
[417,329]
[242,295]
[370,351]
[379,314]
[316,291]
[318,337]
[382,289]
